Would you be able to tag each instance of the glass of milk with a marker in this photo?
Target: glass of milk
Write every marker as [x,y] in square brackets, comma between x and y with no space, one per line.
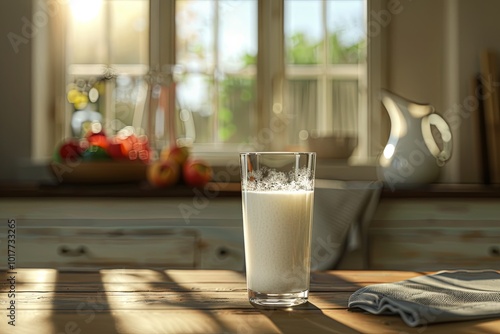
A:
[277,197]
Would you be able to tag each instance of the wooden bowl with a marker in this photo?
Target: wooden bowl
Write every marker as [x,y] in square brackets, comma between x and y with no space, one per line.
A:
[332,147]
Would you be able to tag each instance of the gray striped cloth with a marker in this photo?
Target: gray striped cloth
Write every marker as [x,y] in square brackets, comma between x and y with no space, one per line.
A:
[442,297]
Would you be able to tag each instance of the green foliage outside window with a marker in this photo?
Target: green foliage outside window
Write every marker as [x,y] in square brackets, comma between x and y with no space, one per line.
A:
[237,94]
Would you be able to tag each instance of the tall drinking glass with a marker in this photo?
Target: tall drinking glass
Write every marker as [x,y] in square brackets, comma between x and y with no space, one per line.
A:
[277,197]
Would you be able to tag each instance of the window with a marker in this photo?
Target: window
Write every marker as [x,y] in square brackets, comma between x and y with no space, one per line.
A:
[324,55]
[254,74]
[216,43]
[107,57]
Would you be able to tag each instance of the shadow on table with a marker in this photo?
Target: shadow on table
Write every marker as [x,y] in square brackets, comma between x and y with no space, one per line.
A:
[306,318]
[82,313]
[182,298]
[331,292]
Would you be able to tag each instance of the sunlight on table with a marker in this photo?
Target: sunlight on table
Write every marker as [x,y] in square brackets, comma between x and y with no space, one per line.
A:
[29,320]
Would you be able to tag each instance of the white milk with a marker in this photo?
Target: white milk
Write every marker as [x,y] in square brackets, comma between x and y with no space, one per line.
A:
[277,234]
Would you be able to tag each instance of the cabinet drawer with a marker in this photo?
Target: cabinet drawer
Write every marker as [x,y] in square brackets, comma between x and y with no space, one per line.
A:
[162,249]
[434,245]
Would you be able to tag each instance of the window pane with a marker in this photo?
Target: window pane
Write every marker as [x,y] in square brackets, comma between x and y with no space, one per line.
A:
[84,94]
[237,54]
[345,31]
[107,50]
[324,40]
[217,45]
[303,31]
[194,94]
[128,101]
[195,32]
[238,35]
[108,32]
[129,31]
[87,32]
[237,109]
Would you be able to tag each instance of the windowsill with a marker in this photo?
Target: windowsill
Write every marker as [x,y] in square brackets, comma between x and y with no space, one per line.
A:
[36,179]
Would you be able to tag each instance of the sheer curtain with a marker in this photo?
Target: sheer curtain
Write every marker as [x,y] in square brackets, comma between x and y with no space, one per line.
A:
[302,97]
[341,118]
[345,102]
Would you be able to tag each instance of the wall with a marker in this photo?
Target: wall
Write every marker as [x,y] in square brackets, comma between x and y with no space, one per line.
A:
[433,53]
[478,27]
[15,92]
[414,51]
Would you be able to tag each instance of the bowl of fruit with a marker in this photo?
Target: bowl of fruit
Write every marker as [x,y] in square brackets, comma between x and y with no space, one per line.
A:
[98,158]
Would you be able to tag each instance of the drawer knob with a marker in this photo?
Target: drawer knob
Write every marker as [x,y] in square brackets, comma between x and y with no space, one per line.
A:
[222,252]
[67,251]
[494,251]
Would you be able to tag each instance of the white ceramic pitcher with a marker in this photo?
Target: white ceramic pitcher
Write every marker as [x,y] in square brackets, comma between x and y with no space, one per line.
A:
[412,157]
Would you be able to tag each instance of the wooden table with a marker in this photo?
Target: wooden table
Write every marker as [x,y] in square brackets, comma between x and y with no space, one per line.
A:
[192,301]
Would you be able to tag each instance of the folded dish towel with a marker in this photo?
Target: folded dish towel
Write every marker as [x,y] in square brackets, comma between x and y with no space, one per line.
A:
[441,297]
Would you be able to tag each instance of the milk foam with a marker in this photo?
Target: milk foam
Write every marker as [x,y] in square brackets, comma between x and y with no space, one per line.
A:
[266,179]
[277,234]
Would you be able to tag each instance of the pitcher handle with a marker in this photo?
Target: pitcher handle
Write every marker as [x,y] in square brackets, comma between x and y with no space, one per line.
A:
[441,155]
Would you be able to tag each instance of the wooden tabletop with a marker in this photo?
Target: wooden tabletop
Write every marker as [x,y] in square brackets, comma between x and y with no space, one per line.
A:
[191,301]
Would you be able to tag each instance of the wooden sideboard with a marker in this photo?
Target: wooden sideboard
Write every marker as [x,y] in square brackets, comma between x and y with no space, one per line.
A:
[411,230]
[435,233]
[153,232]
